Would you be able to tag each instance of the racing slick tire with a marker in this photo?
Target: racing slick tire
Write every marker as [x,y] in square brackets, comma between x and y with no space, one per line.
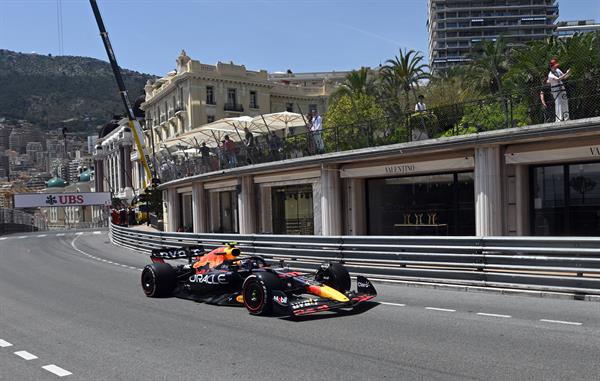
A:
[335,276]
[158,280]
[258,294]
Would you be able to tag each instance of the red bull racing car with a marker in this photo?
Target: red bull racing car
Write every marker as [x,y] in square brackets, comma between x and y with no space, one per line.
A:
[222,277]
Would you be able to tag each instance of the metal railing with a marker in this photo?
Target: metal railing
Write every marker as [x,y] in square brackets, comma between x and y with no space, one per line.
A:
[550,264]
[521,108]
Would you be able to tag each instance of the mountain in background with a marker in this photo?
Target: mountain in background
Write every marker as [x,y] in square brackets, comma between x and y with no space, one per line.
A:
[77,92]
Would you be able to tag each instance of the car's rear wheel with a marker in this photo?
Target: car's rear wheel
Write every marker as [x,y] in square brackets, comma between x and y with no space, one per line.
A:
[334,275]
[158,279]
[258,298]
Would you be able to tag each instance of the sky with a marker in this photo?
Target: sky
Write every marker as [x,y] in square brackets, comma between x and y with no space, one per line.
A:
[275,35]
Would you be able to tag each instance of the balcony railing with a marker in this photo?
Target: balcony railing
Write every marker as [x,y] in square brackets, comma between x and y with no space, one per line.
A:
[233,107]
[518,109]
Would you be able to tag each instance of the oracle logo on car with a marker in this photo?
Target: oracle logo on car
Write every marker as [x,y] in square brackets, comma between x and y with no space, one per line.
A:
[209,279]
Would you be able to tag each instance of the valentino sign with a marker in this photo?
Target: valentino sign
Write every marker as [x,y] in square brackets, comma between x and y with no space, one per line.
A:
[33,200]
[450,164]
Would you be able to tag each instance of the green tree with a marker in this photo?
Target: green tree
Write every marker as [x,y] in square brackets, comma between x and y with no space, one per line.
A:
[354,123]
[487,70]
[401,76]
[357,82]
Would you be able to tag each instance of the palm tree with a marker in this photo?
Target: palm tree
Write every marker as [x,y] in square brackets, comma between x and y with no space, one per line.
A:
[490,65]
[357,82]
[403,73]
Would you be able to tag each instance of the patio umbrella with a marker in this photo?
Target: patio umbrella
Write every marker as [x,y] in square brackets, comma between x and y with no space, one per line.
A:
[279,121]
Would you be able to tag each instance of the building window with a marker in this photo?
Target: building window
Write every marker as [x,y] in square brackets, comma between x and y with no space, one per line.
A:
[210,95]
[289,107]
[422,205]
[293,210]
[210,118]
[253,99]
[565,199]
[231,96]
[228,212]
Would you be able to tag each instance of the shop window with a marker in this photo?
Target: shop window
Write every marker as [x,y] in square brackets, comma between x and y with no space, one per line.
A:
[228,212]
[186,223]
[292,208]
[566,200]
[422,205]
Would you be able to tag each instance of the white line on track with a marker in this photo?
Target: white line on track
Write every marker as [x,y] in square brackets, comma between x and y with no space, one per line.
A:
[4,344]
[561,322]
[26,355]
[41,235]
[393,304]
[493,315]
[439,309]
[60,372]
[60,234]
[99,259]
[22,237]
[79,233]
[3,238]
[97,232]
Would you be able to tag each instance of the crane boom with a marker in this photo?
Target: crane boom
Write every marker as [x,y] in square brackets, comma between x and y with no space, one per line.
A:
[133,124]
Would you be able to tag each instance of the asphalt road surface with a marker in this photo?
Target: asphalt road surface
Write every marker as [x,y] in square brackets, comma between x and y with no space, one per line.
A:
[71,307]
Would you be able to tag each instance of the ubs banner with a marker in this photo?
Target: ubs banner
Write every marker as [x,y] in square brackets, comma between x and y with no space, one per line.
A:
[33,200]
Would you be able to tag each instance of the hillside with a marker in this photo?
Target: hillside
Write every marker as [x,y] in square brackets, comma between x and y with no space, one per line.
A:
[48,90]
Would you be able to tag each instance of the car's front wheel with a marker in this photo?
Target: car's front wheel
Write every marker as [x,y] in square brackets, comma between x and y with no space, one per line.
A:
[258,298]
[158,279]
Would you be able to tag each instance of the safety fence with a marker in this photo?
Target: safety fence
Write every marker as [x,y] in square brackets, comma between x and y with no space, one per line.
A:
[552,264]
[17,221]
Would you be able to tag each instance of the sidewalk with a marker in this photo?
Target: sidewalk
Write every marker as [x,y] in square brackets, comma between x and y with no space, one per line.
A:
[144,227]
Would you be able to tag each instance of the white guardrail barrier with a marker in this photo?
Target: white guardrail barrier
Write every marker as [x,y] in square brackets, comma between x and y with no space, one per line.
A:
[554,264]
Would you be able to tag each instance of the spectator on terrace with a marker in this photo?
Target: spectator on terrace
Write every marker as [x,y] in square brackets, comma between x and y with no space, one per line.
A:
[250,145]
[421,106]
[205,155]
[317,128]
[559,93]
[229,147]
[274,142]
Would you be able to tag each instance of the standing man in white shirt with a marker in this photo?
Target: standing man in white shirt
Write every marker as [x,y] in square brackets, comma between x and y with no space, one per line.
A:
[420,106]
[317,127]
[559,93]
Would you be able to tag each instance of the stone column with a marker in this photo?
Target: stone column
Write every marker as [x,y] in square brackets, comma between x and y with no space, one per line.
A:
[331,200]
[172,209]
[199,208]
[266,210]
[488,191]
[99,169]
[357,218]
[246,206]
[522,199]
[121,166]
[127,165]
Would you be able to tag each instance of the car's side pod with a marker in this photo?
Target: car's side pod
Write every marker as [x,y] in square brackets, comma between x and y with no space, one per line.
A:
[364,286]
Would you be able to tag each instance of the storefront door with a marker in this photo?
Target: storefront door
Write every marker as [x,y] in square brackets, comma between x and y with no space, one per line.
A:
[441,204]
[293,210]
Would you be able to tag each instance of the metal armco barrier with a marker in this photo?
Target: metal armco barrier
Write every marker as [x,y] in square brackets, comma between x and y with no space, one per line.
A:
[553,264]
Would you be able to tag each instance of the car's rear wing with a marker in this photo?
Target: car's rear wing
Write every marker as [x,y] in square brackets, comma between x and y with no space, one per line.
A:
[186,252]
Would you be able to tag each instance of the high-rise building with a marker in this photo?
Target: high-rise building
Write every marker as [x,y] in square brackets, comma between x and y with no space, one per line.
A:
[31,149]
[565,29]
[4,135]
[456,27]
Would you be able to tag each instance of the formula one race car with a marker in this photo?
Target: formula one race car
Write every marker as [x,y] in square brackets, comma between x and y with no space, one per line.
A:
[223,277]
